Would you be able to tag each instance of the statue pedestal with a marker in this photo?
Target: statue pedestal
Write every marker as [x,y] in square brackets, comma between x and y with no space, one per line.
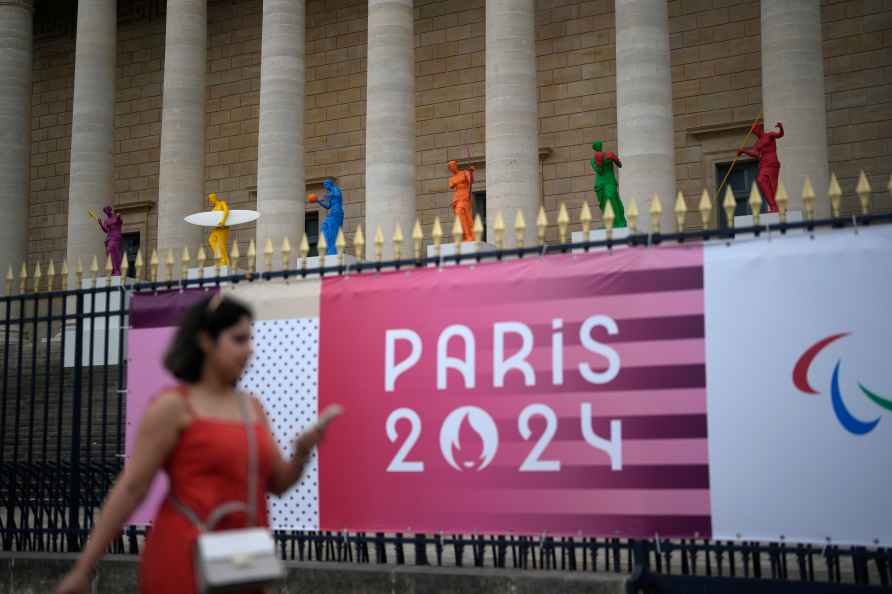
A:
[210,273]
[330,261]
[598,235]
[95,329]
[448,250]
[768,218]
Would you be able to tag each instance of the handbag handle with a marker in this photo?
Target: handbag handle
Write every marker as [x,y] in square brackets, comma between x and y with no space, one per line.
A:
[229,507]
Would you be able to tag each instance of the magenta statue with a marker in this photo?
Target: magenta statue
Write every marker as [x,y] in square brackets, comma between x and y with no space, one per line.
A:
[765,150]
[111,225]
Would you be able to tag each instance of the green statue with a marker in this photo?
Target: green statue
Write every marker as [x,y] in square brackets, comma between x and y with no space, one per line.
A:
[606,186]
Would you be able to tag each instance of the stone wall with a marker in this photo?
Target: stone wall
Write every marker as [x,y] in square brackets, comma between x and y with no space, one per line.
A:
[716,63]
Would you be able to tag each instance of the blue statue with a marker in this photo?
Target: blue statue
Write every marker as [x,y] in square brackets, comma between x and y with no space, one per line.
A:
[333,202]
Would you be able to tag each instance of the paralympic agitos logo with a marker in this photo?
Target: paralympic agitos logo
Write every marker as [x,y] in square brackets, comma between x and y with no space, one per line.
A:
[850,422]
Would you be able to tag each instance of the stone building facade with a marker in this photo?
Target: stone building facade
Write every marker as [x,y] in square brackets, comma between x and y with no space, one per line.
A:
[716,55]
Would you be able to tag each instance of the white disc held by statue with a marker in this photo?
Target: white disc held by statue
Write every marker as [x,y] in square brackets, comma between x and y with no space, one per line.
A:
[212,218]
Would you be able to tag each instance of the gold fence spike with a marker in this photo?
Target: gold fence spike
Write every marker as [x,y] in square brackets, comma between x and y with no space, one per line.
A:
[303,250]
[656,213]
[10,279]
[139,264]
[341,246]
[51,274]
[499,231]
[94,268]
[125,269]
[585,217]
[632,215]
[64,275]
[201,259]
[437,235]
[808,199]
[417,238]
[729,204]
[398,239]
[109,267]
[359,244]
[520,229]
[478,232]
[168,263]
[705,208]
[37,277]
[755,202]
[458,234]
[889,186]
[286,254]
[23,279]
[153,266]
[234,257]
[379,244]
[185,260]
[252,258]
[863,191]
[541,225]
[268,253]
[608,218]
[681,211]
[322,250]
[783,201]
[563,221]
[834,192]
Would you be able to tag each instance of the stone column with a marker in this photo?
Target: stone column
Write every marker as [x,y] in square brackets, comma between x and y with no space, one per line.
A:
[280,160]
[181,176]
[512,121]
[644,107]
[15,130]
[92,128]
[793,94]
[390,121]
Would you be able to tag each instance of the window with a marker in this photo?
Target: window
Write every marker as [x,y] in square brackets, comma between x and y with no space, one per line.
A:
[129,249]
[311,230]
[480,208]
[741,180]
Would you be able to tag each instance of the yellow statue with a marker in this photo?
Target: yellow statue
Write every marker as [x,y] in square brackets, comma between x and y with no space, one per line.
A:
[219,237]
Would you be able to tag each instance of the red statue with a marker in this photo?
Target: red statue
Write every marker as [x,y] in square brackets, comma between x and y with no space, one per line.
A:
[461,182]
[765,150]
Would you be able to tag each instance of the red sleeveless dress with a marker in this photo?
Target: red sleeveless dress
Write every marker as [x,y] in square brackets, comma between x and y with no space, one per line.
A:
[208,466]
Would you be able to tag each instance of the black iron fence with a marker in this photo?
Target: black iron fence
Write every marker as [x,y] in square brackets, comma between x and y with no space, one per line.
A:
[62,443]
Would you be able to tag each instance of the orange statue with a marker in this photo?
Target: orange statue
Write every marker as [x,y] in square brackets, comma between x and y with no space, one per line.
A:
[219,237]
[461,182]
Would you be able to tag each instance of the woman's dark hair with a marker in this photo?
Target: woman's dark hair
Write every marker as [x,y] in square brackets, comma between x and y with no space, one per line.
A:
[184,358]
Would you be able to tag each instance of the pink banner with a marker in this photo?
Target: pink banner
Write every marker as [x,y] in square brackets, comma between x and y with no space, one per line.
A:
[565,396]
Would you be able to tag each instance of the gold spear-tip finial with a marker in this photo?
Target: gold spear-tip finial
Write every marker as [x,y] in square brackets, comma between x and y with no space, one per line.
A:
[541,225]
[808,199]
[681,211]
[585,218]
[755,202]
[563,221]
[359,244]
[863,191]
[783,201]
[632,215]
[729,204]
[656,213]
[705,208]
[835,194]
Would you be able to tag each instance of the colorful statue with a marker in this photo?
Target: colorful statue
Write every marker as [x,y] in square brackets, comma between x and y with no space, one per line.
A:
[219,236]
[111,225]
[765,150]
[333,202]
[461,182]
[606,186]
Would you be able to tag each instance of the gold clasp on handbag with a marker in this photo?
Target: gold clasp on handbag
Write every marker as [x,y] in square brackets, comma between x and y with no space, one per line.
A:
[241,561]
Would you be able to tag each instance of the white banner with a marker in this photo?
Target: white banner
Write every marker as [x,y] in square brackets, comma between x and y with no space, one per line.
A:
[799,384]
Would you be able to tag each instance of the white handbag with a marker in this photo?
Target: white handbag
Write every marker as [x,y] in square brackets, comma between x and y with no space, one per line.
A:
[240,559]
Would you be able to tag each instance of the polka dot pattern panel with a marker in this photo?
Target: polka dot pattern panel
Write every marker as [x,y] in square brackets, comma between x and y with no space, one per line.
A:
[284,375]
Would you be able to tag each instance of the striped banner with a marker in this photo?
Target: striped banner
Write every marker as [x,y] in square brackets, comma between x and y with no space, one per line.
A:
[555,317]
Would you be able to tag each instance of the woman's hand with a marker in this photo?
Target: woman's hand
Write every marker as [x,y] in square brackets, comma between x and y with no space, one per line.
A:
[307,440]
[77,581]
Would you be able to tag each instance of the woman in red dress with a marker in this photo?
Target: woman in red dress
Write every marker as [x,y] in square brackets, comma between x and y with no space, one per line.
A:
[197,435]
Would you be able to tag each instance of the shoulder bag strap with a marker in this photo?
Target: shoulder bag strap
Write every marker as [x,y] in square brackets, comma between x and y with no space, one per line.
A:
[252,460]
